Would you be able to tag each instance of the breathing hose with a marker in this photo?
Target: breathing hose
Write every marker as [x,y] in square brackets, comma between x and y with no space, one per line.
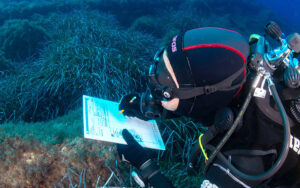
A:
[233,127]
[285,146]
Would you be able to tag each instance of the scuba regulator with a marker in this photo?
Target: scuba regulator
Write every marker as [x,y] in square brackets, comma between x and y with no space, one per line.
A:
[280,59]
[150,104]
[270,66]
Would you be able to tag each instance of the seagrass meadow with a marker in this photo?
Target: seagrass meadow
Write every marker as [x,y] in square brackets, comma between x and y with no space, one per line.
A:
[52,52]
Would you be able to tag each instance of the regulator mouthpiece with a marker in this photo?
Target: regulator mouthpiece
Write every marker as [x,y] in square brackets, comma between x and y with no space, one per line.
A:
[150,106]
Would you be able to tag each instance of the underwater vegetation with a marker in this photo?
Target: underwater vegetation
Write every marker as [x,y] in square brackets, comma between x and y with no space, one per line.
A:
[86,51]
[54,154]
[20,39]
[53,52]
[79,59]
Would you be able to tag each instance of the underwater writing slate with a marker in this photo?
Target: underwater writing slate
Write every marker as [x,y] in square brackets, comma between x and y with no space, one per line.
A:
[102,121]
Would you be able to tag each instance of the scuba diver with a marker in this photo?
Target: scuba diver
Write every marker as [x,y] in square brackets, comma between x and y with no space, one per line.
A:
[248,96]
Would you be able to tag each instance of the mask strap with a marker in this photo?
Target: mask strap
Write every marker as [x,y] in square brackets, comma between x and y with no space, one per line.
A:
[186,93]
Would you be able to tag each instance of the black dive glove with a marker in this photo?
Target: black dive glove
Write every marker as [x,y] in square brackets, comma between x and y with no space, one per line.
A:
[133,152]
[138,157]
[131,106]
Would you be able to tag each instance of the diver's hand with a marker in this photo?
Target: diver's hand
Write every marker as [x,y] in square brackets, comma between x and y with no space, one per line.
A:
[133,152]
[131,106]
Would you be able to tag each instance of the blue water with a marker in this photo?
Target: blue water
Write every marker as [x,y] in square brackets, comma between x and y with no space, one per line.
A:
[289,10]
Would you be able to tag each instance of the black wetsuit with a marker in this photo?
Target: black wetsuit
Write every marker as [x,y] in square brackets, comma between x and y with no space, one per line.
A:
[261,134]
